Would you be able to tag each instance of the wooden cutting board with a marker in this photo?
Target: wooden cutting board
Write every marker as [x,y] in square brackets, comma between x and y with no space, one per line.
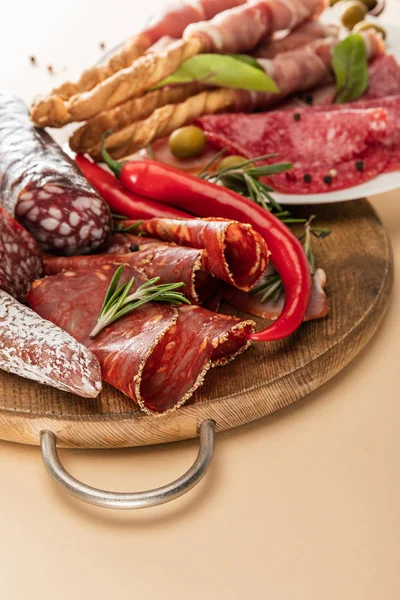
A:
[358,262]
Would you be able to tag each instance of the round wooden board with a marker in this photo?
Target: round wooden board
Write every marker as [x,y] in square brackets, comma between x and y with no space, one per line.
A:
[358,262]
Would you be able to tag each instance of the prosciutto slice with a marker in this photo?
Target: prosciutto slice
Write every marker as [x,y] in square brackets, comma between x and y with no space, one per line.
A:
[302,35]
[169,262]
[237,254]
[383,81]
[241,29]
[252,303]
[157,355]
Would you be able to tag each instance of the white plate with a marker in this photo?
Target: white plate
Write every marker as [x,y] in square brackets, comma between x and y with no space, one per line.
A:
[382,183]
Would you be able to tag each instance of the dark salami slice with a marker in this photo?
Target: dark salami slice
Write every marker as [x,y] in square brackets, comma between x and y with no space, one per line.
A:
[237,254]
[169,262]
[157,355]
[44,189]
[323,145]
[253,304]
[34,348]
[20,258]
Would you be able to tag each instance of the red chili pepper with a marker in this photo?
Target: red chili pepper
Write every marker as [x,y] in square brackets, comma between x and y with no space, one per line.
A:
[120,199]
[204,199]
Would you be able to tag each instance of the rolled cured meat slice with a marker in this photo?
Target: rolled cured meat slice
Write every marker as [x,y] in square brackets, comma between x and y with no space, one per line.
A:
[44,189]
[252,303]
[122,243]
[241,29]
[157,355]
[302,35]
[20,258]
[34,348]
[169,262]
[237,254]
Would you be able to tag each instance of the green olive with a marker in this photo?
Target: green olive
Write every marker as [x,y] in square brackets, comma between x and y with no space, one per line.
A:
[231,161]
[333,2]
[370,4]
[352,13]
[187,142]
[365,25]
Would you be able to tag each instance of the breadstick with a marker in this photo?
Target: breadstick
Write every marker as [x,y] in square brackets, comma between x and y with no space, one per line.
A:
[122,58]
[90,134]
[123,85]
[165,120]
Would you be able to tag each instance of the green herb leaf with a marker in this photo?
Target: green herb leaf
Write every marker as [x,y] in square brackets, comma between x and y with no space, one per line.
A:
[249,60]
[119,301]
[350,65]
[221,70]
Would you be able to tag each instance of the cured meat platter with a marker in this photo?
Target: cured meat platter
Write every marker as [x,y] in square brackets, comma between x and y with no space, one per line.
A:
[267,378]
[144,247]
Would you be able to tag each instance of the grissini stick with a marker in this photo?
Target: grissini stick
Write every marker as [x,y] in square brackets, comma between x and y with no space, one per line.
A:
[232,31]
[293,72]
[171,22]
[90,134]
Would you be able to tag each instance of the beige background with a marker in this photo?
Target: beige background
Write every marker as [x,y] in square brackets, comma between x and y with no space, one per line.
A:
[302,506]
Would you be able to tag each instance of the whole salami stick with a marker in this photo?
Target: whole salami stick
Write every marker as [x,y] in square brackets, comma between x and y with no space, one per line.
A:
[36,349]
[44,189]
[20,258]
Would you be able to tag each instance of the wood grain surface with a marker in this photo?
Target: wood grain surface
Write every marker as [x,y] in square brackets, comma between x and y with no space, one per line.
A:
[358,262]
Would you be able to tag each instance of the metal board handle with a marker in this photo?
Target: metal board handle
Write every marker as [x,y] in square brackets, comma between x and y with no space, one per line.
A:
[123,500]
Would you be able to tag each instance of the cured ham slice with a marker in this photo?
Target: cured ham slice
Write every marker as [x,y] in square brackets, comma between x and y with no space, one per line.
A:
[34,348]
[241,29]
[168,262]
[123,243]
[20,257]
[270,310]
[237,254]
[157,355]
[302,35]
[328,149]
[383,81]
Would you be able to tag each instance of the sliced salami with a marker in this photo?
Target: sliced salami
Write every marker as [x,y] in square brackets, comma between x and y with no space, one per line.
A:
[168,262]
[237,254]
[329,149]
[20,258]
[157,355]
[34,348]
[43,189]
[270,310]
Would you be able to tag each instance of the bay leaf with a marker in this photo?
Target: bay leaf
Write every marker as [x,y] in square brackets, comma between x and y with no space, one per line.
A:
[350,65]
[222,70]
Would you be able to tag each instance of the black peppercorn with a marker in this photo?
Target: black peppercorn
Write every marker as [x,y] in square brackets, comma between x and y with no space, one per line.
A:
[360,165]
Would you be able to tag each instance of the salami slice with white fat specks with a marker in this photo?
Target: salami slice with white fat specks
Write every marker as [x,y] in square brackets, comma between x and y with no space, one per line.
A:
[36,349]
[43,189]
[20,257]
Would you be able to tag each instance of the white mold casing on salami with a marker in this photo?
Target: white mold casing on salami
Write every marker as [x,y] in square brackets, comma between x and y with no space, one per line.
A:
[20,258]
[34,348]
[44,189]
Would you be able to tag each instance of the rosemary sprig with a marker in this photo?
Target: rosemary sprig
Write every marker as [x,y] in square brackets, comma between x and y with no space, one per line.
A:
[129,228]
[244,177]
[118,300]
[272,287]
